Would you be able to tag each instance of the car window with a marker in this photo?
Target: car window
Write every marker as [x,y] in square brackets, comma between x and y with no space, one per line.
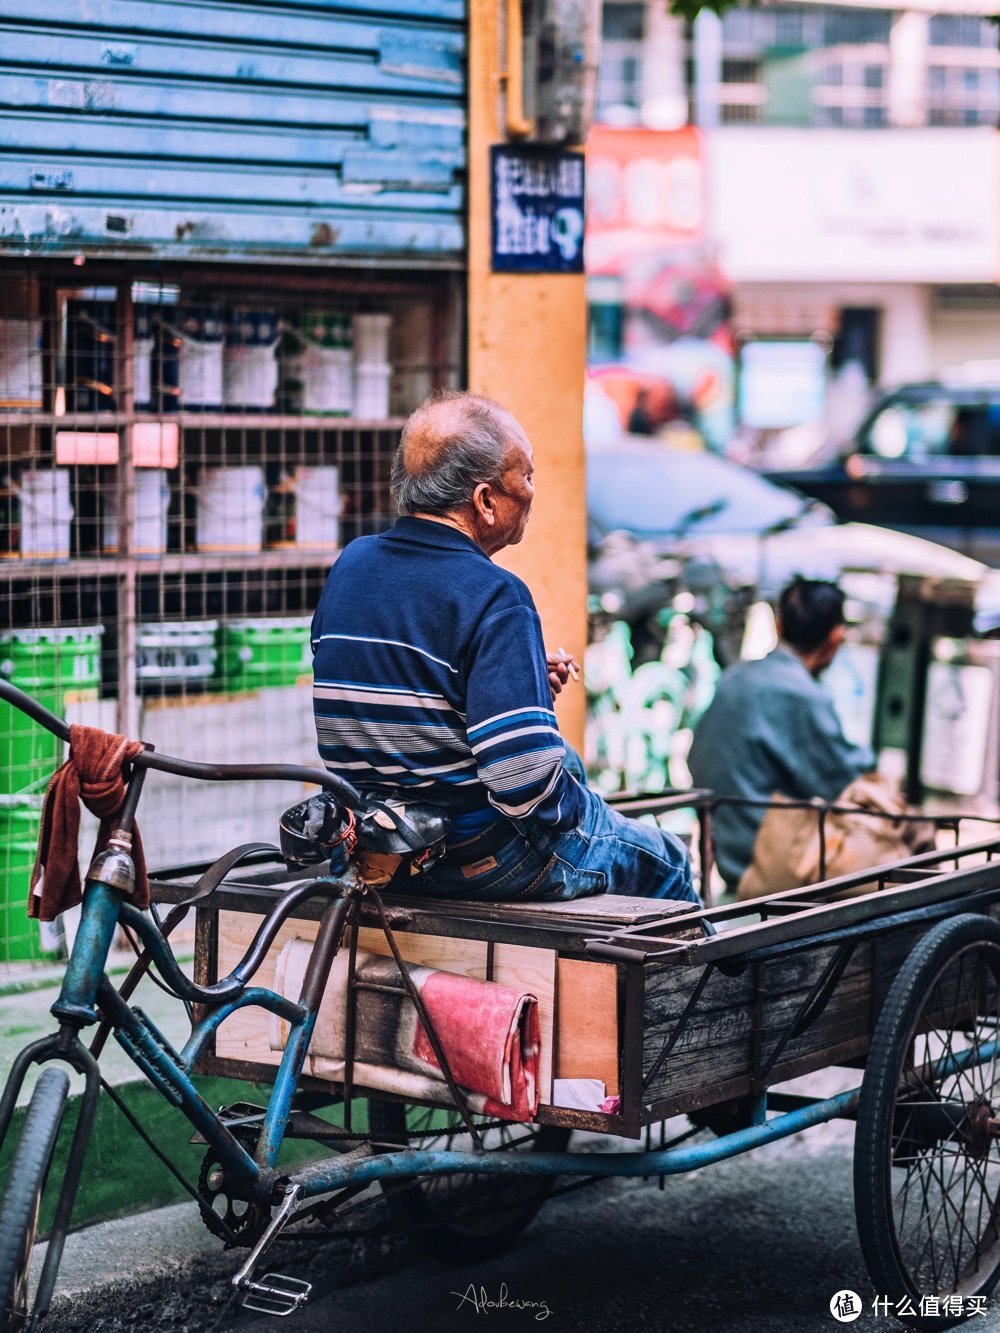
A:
[919,432]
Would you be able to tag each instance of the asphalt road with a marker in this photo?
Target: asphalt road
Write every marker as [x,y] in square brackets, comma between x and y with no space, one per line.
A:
[759,1244]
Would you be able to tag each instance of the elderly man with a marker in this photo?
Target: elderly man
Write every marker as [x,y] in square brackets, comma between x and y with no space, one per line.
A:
[431,678]
[772,729]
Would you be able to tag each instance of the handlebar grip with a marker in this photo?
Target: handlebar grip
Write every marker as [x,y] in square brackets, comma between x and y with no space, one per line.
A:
[165,763]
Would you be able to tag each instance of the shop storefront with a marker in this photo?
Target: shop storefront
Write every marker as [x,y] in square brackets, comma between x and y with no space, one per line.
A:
[232,253]
[855,243]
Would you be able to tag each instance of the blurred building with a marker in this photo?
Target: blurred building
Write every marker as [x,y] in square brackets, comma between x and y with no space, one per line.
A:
[851,179]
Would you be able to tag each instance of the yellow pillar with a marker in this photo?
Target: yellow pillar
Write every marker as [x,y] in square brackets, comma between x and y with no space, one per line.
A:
[527,349]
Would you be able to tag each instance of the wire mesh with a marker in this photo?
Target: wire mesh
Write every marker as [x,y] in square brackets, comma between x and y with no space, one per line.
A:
[183,452]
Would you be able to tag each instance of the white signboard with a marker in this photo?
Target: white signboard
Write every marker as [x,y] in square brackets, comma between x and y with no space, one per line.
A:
[851,681]
[866,205]
[956,727]
[782,383]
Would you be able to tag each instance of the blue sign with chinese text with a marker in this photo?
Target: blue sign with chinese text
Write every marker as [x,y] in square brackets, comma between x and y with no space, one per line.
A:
[537,200]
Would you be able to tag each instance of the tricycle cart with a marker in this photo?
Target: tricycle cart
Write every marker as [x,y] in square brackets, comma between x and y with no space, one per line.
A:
[646,1009]
[706,1013]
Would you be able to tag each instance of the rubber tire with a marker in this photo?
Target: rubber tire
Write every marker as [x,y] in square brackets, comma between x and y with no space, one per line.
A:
[873,1135]
[412,1207]
[23,1193]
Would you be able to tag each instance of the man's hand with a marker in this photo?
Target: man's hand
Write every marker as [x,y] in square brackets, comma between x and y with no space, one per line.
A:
[562,666]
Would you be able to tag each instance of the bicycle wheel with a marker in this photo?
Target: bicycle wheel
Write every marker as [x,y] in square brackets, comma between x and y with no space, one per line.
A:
[926,1158]
[23,1196]
[461,1218]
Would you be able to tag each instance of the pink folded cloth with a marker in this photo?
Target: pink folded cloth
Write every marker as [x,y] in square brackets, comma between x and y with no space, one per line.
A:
[489,1036]
[488,1033]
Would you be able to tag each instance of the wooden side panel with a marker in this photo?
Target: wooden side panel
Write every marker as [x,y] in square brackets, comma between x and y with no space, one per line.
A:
[587,1024]
[738,1022]
[245,1036]
[466,957]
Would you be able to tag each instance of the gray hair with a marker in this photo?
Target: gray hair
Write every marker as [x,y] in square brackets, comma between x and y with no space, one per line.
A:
[469,444]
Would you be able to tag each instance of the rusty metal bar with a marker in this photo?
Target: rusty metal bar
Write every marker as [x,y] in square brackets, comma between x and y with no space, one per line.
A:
[457,1095]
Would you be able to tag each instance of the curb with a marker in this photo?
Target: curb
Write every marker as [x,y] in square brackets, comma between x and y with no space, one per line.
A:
[122,1175]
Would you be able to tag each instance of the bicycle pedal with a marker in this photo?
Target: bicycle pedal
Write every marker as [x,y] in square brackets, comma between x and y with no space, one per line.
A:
[276,1294]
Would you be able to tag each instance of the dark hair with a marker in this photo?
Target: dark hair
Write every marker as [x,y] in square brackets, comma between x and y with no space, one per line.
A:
[473,446]
[808,610]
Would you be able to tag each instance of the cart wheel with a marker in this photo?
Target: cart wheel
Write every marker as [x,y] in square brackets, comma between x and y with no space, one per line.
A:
[22,1197]
[462,1218]
[927,1157]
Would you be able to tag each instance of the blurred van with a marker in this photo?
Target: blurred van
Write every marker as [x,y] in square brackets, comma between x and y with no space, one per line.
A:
[925,460]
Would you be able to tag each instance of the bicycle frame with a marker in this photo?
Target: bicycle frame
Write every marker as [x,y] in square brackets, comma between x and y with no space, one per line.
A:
[85,987]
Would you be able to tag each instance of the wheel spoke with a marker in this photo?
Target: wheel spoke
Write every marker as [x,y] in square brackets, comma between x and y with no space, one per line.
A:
[943,1206]
[459,1214]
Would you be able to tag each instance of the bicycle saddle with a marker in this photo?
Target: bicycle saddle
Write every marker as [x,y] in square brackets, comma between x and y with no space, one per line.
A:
[399,825]
[312,830]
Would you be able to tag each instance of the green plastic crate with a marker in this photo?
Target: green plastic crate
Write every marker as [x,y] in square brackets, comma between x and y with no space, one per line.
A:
[257,653]
[20,938]
[49,664]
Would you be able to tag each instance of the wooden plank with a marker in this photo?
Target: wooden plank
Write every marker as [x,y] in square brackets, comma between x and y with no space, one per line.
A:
[587,1025]
[532,970]
[248,891]
[608,907]
[465,957]
[245,1034]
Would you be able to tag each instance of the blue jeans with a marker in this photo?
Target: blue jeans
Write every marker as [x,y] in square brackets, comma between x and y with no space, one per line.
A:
[605,853]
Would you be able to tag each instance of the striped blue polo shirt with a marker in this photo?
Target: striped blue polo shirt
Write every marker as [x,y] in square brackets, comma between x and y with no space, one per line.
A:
[430,676]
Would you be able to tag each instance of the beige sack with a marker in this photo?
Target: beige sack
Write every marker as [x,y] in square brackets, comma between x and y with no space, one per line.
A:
[786,853]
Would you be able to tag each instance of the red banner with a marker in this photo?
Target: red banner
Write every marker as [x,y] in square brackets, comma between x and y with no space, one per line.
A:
[645,192]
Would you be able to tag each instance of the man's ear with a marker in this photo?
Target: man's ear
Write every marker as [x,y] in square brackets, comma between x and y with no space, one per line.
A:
[484,503]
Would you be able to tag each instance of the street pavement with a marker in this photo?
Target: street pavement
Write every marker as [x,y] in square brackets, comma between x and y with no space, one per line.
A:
[758,1244]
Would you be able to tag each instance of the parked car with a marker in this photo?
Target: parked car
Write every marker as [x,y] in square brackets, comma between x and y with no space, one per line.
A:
[650,509]
[658,493]
[925,460]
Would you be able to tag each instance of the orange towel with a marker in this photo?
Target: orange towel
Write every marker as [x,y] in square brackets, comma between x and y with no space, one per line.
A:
[93,774]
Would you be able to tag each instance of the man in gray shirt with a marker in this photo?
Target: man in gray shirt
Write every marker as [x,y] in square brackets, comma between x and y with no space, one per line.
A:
[773,728]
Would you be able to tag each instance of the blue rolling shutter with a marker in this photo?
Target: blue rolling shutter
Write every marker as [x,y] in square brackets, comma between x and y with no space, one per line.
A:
[314,132]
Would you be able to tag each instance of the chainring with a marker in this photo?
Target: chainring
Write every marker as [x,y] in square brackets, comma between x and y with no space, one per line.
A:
[236,1221]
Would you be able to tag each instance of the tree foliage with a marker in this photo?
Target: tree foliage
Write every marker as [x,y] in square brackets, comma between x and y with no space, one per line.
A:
[690,9]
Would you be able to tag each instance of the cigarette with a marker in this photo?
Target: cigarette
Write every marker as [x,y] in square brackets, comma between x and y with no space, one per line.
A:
[574,674]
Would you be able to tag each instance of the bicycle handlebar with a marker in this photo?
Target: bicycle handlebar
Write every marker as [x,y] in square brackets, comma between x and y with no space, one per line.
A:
[188,768]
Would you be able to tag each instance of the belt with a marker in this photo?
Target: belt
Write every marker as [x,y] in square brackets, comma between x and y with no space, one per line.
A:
[483,844]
